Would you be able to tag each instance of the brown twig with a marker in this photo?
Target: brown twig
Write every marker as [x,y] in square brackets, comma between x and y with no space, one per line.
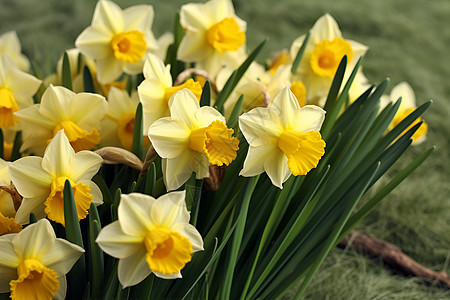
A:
[393,256]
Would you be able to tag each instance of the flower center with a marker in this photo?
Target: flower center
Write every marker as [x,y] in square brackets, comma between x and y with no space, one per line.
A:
[54,205]
[194,86]
[420,133]
[129,46]
[303,150]
[225,35]
[167,251]
[125,130]
[80,139]
[216,142]
[35,281]
[325,58]
[8,107]
[299,90]
[8,225]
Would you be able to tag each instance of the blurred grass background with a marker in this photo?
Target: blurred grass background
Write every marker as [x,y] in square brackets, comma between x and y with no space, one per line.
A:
[408,40]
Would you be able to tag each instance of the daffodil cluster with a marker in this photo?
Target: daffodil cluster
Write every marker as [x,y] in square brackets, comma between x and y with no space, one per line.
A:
[181,157]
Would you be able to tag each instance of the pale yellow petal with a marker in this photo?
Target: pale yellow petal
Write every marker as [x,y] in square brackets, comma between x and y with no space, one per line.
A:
[189,231]
[138,17]
[183,106]
[154,69]
[192,17]
[85,164]
[29,178]
[172,209]
[116,243]
[154,104]
[109,69]
[206,115]
[23,86]
[55,103]
[309,117]
[88,109]
[194,47]
[9,258]
[277,168]
[133,211]
[108,15]
[57,160]
[169,137]
[35,240]
[61,292]
[285,105]
[31,205]
[404,90]
[260,126]
[133,269]
[94,43]
[170,276]
[62,256]
[256,157]
[325,28]
[176,171]
[95,191]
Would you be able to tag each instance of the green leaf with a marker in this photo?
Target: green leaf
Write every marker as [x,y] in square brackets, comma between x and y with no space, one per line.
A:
[176,66]
[299,55]
[150,181]
[88,81]
[138,133]
[193,189]
[335,85]
[97,263]
[205,99]
[15,154]
[66,72]
[33,218]
[234,117]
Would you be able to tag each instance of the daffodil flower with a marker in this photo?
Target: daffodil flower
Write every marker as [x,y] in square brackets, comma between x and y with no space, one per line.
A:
[78,114]
[118,123]
[191,139]
[16,91]
[150,236]
[7,209]
[33,262]
[214,35]
[118,39]
[407,106]
[40,180]
[156,90]
[10,45]
[284,139]
[322,56]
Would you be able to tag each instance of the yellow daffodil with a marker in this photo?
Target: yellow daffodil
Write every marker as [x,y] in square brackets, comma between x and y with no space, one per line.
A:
[78,114]
[41,180]
[150,236]
[156,90]
[408,105]
[322,56]
[284,139]
[10,45]
[7,209]
[214,35]
[16,91]
[33,262]
[191,139]
[118,39]
[118,124]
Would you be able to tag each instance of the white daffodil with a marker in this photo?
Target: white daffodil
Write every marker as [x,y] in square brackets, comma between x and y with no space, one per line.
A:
[7,209]
[214,35]
[16,90]
[10,45]
[156,90]
[118,39]
[322,56]
[40,180]
[284,139]
[33,262]
[150,236]
[60,108]
[407,106]
[190,139]
[118,124]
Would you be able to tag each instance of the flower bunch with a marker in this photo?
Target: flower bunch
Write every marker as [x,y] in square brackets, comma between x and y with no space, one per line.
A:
[144,160]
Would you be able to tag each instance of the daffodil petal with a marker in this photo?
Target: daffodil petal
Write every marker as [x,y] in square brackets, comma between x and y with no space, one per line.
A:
[95,191]
[62,256]
[36,240]
[58,156]
[9,258]
[170,276]
[61,292]
[260,126]
[285,105]
[189,231]
[169,137]
[23,86]
[277,168]
[254,162]
[309,117]
[30,205]
[183,106]
[94,42]
[206,115]
[85,164]
[116,243]
[172,206]
[133,269]
[54,100]
[138,17]
[176,171]
[87,109]
[29,178]
[193,47]
[404,90]
[133,214]
[109,69]
[108,14]
[325,28]
[154,69]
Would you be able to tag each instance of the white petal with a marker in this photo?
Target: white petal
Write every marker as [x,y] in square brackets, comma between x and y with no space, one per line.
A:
[194,47]
[172,209]
[192,16]
[9,258]
[95,191]
[133,269]
[28,206]
[154,69]
[94,43]
[176,171]
[109,69]
[62,256]
[309,117]
[169,137]
[61,292]
[285,105]
[138,17]
[134,68]
[358,51]
[154,104]
[277,168]
[260,126]
[35,240]
[134,213]
[88,109]
[170,276]
[85,164]
[29,178]
[23,86]
[108,15]
[254,162]
[190,232]
[116,243]
[404,90]
[325,28]
[183,105]
[206,115]
[55,103]
[57,159]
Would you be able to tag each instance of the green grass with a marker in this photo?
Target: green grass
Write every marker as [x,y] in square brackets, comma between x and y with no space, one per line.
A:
[408,41]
